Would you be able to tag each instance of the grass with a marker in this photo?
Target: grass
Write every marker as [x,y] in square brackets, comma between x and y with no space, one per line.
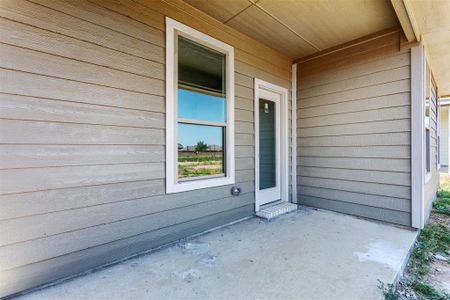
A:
[192,164]
[191,172]
[433,239]
[199,158]
[389,291]
[428,291]
[442,203]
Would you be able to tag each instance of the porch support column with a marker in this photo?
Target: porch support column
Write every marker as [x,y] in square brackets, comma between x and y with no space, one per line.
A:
[448,140]
[417,136]
[294,133]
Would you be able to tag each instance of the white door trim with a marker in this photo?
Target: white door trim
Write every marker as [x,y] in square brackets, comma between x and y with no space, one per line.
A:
[283,163]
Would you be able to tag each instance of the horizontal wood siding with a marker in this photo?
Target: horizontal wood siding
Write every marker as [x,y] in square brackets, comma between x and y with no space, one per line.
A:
[82,135]
[354,131]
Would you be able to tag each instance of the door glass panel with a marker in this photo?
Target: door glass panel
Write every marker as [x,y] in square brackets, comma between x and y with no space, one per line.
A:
[267,150]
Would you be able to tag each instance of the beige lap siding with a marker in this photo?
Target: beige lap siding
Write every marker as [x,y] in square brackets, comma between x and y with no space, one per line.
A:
[82,135]
[353,127]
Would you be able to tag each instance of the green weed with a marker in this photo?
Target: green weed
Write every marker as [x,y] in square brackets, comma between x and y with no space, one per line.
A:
[442,204]
[434,238]
[388,291]
[428,291]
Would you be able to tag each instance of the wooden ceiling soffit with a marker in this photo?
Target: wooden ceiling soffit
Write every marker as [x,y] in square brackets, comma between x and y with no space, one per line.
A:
[191,16]
[353,43]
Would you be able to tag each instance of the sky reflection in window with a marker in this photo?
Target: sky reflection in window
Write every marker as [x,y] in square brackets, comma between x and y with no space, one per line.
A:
[201,106]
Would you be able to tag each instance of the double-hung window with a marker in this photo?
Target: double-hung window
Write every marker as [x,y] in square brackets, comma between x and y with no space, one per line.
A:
[438,131]
[435,102]
[427,116]
[199,110]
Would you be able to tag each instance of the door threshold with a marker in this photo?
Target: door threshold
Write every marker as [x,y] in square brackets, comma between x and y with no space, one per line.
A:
[273,210]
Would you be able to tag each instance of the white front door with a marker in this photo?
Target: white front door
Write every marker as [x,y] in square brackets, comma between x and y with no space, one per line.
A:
[268,146]
[271,143]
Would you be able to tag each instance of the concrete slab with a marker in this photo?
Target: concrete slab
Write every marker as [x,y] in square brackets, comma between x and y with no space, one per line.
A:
[308,254]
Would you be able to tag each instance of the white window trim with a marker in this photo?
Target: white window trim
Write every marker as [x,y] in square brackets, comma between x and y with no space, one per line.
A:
[173,185]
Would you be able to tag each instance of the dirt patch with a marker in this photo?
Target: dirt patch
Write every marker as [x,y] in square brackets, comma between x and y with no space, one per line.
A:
[439,276]
[427,275]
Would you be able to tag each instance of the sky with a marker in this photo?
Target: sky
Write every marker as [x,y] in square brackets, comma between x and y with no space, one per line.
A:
[194,105]
[199,106]
[189,134]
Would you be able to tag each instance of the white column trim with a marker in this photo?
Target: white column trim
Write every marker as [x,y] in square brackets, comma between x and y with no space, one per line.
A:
[448,141]
[417,137]
[294,133]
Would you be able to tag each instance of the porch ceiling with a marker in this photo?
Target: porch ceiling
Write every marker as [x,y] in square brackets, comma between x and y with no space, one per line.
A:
[433,24]
[299,28]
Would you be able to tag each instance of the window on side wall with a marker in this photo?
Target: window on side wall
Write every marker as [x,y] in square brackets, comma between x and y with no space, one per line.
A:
[428,104]
[436,130]
[199,107]
[438,146]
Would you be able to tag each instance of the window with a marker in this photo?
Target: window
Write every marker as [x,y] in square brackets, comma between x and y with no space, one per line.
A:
[427,123]
[438,130]
[435,100]
[428,145]
[427,96]
[200,110]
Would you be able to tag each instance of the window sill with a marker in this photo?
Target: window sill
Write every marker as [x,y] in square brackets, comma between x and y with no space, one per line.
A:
[190,185]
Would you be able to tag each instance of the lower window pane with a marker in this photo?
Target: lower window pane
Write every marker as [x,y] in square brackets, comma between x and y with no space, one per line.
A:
[200,150]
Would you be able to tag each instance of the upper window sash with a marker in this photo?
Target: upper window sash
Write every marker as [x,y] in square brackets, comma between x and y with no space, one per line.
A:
[175,29]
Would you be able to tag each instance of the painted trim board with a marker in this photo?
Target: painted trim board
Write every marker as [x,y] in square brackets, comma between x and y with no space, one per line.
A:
[417,137]
[294,134]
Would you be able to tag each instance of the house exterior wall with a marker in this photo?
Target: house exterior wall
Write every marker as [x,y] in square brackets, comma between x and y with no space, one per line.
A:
[432,184]
[444,135]
[353,128]
[82,135]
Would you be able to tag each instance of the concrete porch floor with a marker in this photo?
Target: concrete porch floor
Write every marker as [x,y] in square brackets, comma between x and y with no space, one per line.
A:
[309,254]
